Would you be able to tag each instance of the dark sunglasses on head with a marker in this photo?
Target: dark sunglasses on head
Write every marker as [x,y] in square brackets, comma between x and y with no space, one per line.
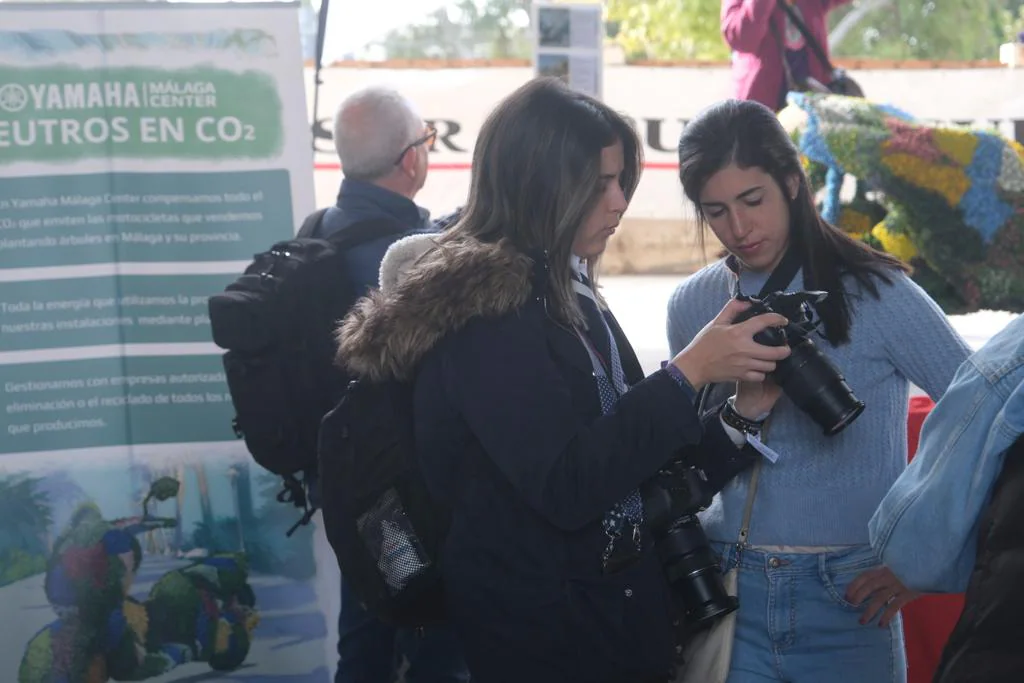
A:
[428,138]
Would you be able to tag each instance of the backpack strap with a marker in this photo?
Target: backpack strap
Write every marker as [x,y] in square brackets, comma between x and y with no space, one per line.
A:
[312,223]
[365,231]
[352,235]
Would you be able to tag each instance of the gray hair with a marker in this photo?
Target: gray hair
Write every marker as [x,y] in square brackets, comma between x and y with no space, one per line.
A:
[371,128]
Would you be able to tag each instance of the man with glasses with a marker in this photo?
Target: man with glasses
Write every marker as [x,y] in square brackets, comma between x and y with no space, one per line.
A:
[383,146]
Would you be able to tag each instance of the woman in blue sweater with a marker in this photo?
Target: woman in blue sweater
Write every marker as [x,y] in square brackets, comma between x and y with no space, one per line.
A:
[816,605]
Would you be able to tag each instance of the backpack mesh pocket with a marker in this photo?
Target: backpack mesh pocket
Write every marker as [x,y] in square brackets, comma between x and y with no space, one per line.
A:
[388,534]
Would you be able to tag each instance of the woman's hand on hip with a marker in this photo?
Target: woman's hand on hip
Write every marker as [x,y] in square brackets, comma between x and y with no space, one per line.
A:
[884,593]
[726,352]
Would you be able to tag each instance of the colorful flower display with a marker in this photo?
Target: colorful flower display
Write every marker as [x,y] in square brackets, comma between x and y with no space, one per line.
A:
[947,200]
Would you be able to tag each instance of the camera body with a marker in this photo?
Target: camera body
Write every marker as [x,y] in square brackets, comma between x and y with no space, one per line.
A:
[672,498]
[807,377]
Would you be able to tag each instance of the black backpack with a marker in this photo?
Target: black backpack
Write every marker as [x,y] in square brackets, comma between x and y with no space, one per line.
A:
[385,528]
[277,324]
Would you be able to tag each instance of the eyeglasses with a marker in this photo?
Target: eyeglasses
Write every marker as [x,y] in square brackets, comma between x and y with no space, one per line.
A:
[428,139]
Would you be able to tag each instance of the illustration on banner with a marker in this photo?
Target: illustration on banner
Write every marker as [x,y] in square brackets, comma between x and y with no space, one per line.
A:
[140,596]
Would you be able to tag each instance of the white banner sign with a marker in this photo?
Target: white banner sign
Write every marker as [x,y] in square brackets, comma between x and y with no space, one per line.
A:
[659,99]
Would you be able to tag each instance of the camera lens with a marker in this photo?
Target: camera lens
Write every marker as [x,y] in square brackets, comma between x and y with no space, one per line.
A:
[693,572]
[817,387]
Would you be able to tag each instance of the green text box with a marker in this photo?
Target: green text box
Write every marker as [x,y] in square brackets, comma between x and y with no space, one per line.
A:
[129,309]
[142,217]
[114,402]
[66,113]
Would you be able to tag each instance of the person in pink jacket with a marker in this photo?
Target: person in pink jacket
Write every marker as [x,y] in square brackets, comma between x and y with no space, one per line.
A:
[756,31]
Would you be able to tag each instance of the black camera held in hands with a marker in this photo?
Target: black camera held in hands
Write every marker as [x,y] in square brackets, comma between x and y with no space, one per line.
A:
[807,377]
[672,498]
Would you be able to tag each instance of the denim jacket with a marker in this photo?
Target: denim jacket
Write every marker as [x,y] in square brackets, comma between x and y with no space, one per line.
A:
[926,527]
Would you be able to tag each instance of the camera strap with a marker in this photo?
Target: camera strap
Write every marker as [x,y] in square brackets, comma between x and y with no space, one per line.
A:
[779,279]
[611,386]
[783,274]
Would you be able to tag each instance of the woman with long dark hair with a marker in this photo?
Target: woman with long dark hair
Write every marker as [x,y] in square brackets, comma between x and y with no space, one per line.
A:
[534,421]
[809,583]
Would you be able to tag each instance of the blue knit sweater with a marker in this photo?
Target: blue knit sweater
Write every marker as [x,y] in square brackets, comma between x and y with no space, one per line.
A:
[823,490]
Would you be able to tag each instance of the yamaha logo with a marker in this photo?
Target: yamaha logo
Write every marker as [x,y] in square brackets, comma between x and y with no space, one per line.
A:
[13,97]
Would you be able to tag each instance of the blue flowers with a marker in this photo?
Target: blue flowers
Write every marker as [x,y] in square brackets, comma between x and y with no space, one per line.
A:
[831,206]
[812,144]
[982,208]
[895,112]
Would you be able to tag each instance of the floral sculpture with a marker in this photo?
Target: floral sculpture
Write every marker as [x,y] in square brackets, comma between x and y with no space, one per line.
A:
[947,200]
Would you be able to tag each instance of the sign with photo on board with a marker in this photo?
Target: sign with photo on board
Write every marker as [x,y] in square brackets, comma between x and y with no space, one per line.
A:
[568,44]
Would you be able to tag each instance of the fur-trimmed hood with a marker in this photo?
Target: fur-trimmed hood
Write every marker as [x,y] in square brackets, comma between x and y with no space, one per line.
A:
[429,289]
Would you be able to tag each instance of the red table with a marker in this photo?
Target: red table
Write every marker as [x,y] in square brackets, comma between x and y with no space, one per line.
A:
[928,621]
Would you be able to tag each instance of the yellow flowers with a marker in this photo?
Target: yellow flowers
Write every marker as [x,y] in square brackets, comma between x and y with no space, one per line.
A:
[898,245]
[854,223]
[958,145]
[137,618]
[948,181]
[222,636]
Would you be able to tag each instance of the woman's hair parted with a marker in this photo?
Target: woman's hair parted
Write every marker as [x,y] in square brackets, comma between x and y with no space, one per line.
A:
[749,135]
[537,175]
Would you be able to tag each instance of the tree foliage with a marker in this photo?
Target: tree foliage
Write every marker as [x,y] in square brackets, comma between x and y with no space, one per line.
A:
[481,29]
[667,29]
[25,519]
[25,514]
[689,29]
[926,29]
[1013,20]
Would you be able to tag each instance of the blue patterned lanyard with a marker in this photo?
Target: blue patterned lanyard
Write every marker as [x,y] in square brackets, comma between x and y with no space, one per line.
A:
[629,511]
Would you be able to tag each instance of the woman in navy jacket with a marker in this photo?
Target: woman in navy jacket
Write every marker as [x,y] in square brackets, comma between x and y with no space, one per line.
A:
[533,418]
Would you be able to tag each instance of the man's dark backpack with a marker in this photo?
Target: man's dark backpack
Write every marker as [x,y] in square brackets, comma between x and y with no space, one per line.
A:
[385,528]
[277,324]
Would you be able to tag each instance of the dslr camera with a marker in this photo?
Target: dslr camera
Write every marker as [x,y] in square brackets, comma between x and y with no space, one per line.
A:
[672,498]
[806,376]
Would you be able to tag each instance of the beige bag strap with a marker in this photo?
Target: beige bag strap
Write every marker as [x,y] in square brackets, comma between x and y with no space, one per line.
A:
[749,507]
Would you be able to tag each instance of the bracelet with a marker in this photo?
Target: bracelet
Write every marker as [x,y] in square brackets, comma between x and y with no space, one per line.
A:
[738,422]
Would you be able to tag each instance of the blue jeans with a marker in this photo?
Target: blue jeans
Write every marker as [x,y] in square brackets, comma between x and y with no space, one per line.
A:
[370,651]
[795,625]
